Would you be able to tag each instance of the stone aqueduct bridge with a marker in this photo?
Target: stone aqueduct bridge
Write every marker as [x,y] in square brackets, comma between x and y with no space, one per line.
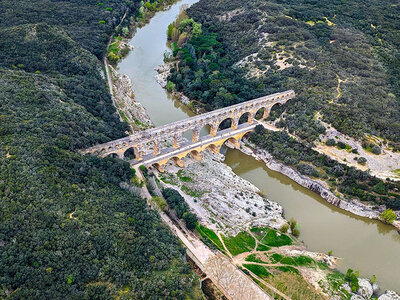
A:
[150,148]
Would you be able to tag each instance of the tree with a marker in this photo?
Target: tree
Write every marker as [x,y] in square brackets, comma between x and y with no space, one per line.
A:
[190,220]
[125,31]
[388,216]
[330,142]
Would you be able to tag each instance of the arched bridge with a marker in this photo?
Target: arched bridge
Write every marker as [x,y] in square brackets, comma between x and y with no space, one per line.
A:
[155,146]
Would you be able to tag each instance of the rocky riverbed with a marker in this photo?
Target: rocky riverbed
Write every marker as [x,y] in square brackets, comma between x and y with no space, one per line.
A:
[222,200]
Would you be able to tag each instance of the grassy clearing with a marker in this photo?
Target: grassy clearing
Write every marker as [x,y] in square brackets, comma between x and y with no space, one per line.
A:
[254,258]
[167,178]
[294,286]
[183,176]
[293,261]
[211,236]
[271,237]
[287,269]
[260,271]
[242,242]
[262,247]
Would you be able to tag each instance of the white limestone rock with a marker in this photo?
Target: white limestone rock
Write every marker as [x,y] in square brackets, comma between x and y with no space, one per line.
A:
[389,295]
[365,289]
[375,287]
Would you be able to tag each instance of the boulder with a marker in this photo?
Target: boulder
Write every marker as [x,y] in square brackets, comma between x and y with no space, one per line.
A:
[375,287]
[365,289]
[389,295]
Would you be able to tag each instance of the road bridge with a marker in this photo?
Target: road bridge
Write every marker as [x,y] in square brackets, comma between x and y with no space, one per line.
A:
[155,146]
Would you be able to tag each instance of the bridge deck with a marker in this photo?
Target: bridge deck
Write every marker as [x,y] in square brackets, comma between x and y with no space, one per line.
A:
[189,145]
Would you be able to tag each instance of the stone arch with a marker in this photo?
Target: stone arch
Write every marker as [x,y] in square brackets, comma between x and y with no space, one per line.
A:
[178,161]
[130,153]
[275,106]
[261,113]
[214,148]
[226,123]
[246,117]
[113,155]
[159,167]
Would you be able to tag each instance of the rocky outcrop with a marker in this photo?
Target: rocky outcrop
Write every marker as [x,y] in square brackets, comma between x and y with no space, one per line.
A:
[130,110]
[319,187]
[223,200]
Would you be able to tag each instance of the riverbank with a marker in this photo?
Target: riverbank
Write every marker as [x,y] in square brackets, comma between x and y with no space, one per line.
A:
[317,186]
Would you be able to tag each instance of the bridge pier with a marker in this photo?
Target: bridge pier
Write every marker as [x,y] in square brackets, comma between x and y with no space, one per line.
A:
[266,113]
[156,150]
[138,154]
[176,141]
[214,148]
[235,123]
[160,168]
[196,135]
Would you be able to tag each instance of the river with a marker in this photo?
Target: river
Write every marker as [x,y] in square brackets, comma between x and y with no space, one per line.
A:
[365,245]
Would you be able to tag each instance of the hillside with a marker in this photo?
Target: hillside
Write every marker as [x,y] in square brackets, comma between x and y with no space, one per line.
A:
[341,60]
[67,228]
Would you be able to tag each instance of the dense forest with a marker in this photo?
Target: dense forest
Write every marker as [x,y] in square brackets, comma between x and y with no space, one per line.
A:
[67,228]
[341,58]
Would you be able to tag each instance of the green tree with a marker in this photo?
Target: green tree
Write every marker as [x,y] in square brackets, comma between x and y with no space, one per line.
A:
[388,216]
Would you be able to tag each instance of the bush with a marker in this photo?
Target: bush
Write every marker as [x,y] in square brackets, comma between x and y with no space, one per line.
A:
[376,150]
[351,278]
[284,228]
[330,142]
[190,220]
[341,145]
[362,160]
[388,216]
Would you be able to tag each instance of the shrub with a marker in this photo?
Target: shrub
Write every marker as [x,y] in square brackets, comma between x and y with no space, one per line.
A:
[160,202]
[341,145]
[330,142]
[284,228]
[351,278]
[190,220]
[376,150]
[362,160]
[388,216]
